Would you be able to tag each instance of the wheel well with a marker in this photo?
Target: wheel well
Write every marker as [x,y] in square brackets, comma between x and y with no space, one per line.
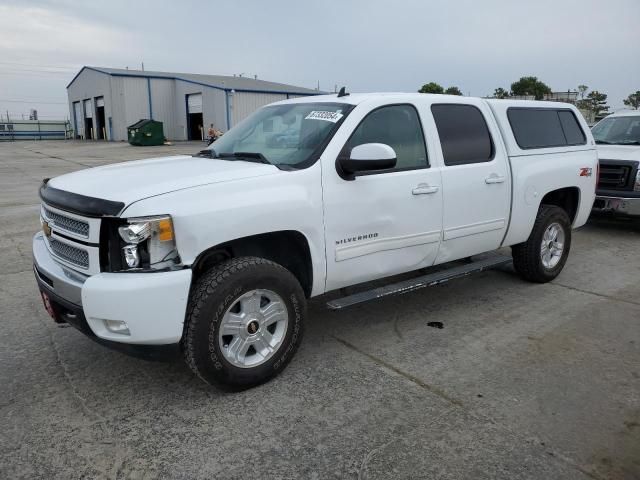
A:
[287,248]
[565,198]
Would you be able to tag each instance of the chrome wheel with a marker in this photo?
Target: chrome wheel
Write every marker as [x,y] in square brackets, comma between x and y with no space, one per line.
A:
[552,246]
[253,328]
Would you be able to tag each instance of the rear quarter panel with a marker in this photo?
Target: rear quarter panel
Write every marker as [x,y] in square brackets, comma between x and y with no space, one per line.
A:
[536,172]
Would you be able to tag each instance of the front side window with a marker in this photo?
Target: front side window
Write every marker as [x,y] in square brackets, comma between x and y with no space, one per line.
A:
[285,135]
[618,131]
[464,134]
[397,126]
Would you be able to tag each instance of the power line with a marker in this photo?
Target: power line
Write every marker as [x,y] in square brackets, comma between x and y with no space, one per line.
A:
[48,72]
[59,67]
[32,101]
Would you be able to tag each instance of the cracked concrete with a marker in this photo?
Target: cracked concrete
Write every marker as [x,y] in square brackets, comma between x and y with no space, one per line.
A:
[523,380]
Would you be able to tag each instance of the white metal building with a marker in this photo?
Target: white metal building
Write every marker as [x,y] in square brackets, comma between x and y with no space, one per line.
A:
[104,101]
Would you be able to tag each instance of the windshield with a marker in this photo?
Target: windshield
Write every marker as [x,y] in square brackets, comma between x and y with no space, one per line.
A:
[283,135]
[618,131]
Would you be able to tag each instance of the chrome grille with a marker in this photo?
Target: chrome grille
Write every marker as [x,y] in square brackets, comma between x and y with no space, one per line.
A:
[71,254]
[67,223]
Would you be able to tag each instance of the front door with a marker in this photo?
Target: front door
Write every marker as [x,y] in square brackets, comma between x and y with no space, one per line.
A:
[385,222]
[475,178]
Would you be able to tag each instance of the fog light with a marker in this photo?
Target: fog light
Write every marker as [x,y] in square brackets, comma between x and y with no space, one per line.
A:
[117,326]
[131,256]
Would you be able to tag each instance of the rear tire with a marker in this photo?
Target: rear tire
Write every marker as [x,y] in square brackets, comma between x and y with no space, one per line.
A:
[244,323]
[542,257]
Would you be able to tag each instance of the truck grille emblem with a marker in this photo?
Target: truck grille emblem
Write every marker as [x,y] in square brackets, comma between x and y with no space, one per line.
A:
[46,229]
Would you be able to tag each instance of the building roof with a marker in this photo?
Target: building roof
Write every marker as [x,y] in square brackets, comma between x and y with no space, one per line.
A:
[221,82]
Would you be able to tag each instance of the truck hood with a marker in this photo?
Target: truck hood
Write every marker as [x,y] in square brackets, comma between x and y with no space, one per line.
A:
[131,181]
[619,152]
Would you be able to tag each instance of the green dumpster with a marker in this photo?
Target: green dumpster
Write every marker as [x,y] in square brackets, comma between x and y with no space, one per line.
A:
[146,133]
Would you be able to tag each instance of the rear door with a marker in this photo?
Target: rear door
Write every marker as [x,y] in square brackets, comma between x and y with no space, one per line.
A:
[476,179]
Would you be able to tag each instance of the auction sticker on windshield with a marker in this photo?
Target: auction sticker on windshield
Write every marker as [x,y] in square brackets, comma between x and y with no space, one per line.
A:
[327,116]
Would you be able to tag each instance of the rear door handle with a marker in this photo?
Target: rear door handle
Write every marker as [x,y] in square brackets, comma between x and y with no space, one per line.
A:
[425,189]
[493,178]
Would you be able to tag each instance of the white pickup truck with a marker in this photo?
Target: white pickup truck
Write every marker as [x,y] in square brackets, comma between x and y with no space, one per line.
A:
[215,254]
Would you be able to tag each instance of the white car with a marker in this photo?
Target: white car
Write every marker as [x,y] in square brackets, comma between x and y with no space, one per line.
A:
[618,140]
[215,254]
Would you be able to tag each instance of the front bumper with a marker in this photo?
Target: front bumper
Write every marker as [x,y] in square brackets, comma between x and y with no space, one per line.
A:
[618,205]
[153,305]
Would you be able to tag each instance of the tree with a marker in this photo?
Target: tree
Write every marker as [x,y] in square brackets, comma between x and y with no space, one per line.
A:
[595,102]
[633,100]
[453,91]
[431,87]
[500,93]
[582,89]
[530,86]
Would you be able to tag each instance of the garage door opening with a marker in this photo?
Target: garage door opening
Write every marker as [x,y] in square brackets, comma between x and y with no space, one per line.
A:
[88,120]
[195,125]
[100,119]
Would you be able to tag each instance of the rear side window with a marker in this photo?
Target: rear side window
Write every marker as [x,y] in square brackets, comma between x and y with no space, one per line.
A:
[545,128]
[571,128]
[463,133]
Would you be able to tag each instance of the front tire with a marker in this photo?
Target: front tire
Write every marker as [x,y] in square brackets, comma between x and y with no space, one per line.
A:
[244,322]
[542,257]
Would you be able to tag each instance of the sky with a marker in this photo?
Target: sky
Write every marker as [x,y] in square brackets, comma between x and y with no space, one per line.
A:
[366,45]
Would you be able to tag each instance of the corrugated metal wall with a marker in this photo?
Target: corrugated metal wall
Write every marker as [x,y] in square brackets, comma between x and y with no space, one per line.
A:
[130,103]
[213,106]
[126,100]
[215,109]
[89,85]
[163,93]
[243,104]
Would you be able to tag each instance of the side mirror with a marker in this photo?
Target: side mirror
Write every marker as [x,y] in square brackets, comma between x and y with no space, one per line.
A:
[367,157]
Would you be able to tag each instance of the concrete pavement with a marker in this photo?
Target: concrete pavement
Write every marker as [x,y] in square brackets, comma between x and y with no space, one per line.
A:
[523,380]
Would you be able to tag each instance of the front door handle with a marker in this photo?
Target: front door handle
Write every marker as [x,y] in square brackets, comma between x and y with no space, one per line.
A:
[425,189]
[493,178]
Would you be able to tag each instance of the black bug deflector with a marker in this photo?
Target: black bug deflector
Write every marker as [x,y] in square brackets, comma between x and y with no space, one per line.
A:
[79,204]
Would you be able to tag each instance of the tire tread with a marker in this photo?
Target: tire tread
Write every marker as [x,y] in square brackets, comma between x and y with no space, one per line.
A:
[204,288]
[526,256]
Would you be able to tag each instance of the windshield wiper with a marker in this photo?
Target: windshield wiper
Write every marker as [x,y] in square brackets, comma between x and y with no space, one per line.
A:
[208,152]
[603,142]
[256,157]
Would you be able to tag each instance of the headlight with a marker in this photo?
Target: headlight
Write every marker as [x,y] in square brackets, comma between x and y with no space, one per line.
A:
[636,186]
[149,243]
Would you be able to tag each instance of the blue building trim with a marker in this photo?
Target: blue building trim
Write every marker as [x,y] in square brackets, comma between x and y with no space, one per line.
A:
[226,106]
[186,109]
[150,102]
[33,133]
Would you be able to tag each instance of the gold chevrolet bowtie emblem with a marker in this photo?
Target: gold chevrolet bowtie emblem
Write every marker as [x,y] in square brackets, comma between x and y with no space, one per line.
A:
[46,229]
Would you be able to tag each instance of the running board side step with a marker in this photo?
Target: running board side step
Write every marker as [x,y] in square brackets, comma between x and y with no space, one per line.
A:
[422,281]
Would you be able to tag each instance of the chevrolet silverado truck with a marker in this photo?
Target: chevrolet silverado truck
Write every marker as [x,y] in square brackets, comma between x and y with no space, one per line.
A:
[618,142]
[216,254]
